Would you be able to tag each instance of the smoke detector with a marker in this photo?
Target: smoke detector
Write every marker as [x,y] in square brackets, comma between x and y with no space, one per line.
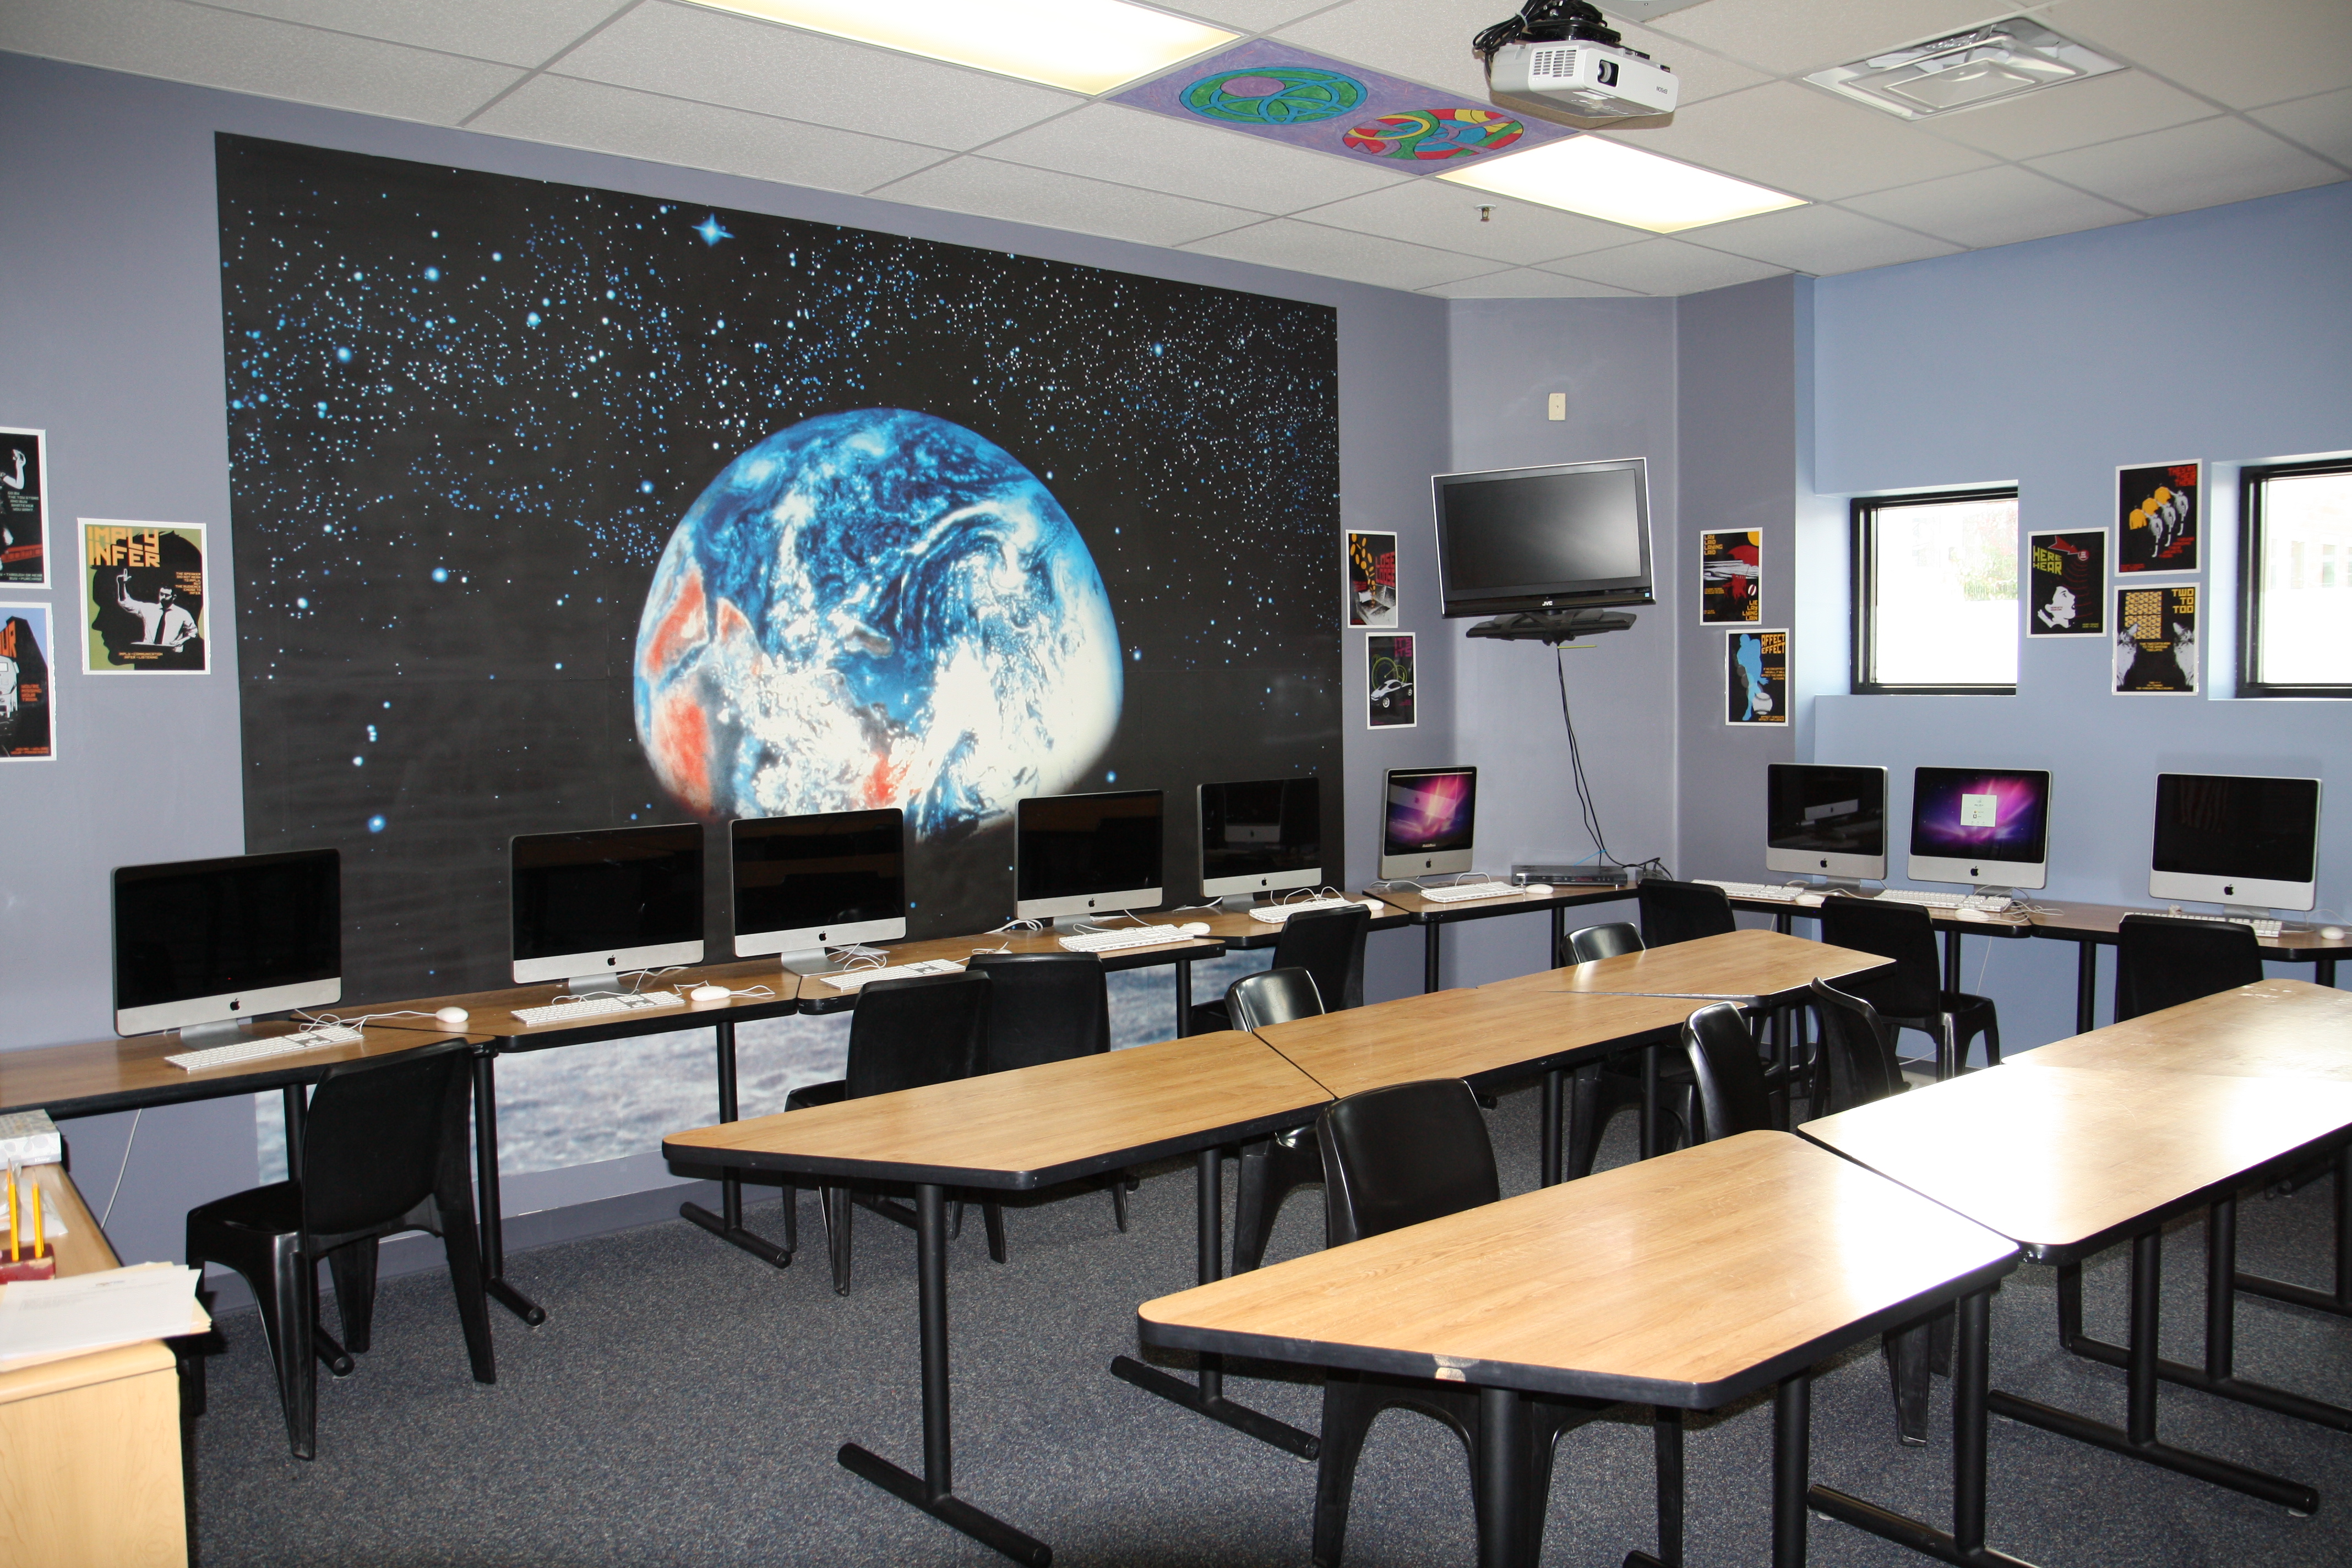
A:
[1964,71]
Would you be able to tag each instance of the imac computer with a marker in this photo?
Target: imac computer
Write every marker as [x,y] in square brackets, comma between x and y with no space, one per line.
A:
[1544,548]
[1426,818]
[1988,827]
[1080,854]
[588,906]
[200,945]
[806,883]
[1263,836]
[2251,844]
[1826,821]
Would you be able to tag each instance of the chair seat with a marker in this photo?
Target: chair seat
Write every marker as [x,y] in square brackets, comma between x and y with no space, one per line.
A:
[811,1094]
[272,1210]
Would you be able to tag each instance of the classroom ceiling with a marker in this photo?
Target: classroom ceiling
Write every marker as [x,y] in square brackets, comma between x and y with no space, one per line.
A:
[2220,103]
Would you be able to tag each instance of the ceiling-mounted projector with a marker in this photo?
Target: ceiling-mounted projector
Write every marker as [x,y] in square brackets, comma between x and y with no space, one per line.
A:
[1560,60]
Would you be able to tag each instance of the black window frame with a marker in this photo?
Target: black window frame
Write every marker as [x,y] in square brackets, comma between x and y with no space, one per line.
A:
[2251,481]
[1864,540]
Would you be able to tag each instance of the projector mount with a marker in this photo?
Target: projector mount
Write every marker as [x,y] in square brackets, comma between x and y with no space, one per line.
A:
[1546,21]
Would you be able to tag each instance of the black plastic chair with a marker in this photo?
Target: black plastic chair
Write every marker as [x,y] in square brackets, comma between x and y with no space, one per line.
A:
[2161,962]
[1681,911]
[1910,993]
[1044,1008]
[1327,944]
[1599,1090]
[385,1152]
[1857,1050]
[928,1029]
[1271,1170]
[1398,1157]
[1728,1078]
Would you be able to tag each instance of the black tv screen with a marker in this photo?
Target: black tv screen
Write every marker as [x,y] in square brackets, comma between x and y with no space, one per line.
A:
[1571,535]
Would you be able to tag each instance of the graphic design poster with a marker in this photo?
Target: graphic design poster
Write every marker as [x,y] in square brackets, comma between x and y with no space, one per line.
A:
[2156,517]
[1371,579]
[2069,573]
[1756,677]
[1731,580]
[1390,696]
[2156,640]
[27,714]
[24,509]
[145,587]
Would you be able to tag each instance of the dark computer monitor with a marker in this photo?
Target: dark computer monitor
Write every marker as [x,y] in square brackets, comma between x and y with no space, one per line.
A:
[1827,820]
[1263,836]
[806,883]
[2228,839]
[1427,818]
[1079,854]
[1984,826]
[602,903]
[1565,536]
[212,941]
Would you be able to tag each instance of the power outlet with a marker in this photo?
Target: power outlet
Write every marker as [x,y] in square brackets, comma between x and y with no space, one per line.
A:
[1557,407]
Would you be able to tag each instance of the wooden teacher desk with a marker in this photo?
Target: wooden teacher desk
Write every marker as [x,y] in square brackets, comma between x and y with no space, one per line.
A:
[1430,915]
[1683,1282]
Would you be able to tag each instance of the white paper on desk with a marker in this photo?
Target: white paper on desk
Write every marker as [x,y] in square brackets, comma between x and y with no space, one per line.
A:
[92,1311]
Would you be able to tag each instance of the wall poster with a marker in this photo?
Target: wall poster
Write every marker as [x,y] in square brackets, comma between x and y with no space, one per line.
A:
[1389,671]
[28,711]
[2069,583]
[1756,677]
[24,509]
[145,597]
[1371,579]
[1731,578]
[2157,517]
[2156,640]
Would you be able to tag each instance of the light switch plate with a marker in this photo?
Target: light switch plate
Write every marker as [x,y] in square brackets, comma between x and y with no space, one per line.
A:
[1558,408]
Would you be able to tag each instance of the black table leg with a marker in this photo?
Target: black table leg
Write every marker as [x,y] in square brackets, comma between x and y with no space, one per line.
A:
[2339,1303]
[1792,1458]
[2086,987]
[1207,1397]
[2323,971]
[1559,936]
[933,1492]
[1184,997]
[1666,1424]
[295,1097]
[1654,1135]
[1502,1479]
[486,1183]
[1428,955]
[727,1224]
[1548,1162]
[1952,959]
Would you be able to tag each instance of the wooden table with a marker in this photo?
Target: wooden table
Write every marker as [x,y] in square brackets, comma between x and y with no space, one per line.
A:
[1014,1131]
[93,1470]
[1430,914]
[2093,926]
[816,996]
[1953,925]
[1683,1282]
[2067,1162]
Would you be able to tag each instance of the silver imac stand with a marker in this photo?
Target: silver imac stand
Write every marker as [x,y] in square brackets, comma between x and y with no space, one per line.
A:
[217,1033]
[809,961]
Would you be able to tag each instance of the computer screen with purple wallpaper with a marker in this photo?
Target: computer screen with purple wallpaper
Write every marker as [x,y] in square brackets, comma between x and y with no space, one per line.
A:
[1987,826]
[1427,823]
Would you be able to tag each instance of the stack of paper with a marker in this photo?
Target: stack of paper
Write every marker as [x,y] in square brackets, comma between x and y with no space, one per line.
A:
[42,1320]
[29,1137]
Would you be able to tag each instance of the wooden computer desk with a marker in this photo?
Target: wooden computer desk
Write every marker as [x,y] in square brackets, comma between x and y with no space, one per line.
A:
[2093,926]
[2069,1161]
[1431,915]
[1684,1282]
[93,1468]
[816,996]
[1014,1131]
[1953,925]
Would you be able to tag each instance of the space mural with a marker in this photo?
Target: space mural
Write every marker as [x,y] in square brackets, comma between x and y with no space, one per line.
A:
[560,508]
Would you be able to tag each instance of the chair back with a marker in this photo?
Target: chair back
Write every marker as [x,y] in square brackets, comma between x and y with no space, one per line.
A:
[1731,1097]
[1043,1007]
[2161,962]
[1271,996]
[1914,988]
[1681,911]
[1330,946]
[1399,1155]
[1587,943]
[930,1028]
[377,1134]
[1858,1046]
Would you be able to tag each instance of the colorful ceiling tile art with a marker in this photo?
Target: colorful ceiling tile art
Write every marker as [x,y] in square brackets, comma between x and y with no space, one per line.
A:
[1269,89]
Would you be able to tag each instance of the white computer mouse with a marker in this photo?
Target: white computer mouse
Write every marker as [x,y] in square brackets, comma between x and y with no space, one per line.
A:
[707,993]
[1194,927]
[2333,933]
[1537,890]
[452,1015]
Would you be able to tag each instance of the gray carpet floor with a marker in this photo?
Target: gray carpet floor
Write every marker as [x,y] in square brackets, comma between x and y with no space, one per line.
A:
[683,1403]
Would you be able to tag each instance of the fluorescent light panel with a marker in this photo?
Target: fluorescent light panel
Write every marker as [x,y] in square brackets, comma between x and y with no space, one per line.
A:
[1619,184]
[1085,46]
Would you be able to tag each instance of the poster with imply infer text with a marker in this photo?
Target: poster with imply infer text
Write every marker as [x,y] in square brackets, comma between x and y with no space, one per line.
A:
[144,604]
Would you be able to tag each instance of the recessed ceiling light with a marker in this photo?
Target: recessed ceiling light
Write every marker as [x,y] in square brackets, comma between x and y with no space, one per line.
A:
[1984,65]
[1620,184]
[1085,46]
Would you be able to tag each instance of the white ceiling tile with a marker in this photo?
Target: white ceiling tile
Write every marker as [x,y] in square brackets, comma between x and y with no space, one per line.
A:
[2189,166]
[2100,109]
[1248,16]
[252,54]
[1804,142]
[1441,214]
[1335,253]
[1526,283]
[1790,38]
[2244,55]
[523,34]
[2324,124]
[1821,241]
[699,54]
[1023,194]
[1136,147]
[606,119]
[1703,75]
[1999,205]
[1667,267]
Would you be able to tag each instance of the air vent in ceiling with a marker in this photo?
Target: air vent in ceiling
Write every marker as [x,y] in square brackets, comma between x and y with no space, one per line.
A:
[1964,71]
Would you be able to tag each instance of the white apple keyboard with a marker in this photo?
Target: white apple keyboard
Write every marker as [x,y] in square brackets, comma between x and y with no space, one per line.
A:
[1274,914]
[1776,892]
[852,979]
[317,1035]
[1973,903]
[604,1006]
[2264,929]
[1125,937]
[1464,892]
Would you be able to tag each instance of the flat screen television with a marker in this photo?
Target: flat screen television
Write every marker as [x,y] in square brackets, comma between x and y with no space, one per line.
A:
[1988,827]
[2250,842]
[803,884]
[200,942]
[1826,820]
[1264,836]
[1086,854]
[599,903]
[1566,536]
[1428,816]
